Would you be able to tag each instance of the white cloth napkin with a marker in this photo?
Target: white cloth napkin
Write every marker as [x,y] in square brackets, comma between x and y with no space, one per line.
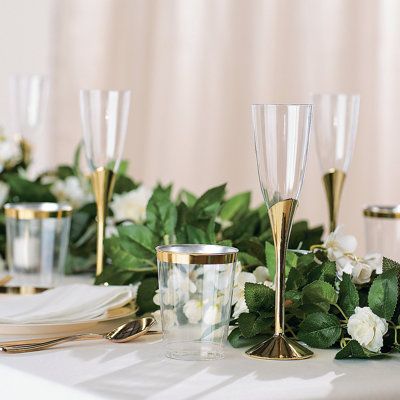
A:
[70,303]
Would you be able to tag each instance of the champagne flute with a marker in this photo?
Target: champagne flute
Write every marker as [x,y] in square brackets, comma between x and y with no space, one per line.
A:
[28,96]
[281,136]
[335,126]
[104,116]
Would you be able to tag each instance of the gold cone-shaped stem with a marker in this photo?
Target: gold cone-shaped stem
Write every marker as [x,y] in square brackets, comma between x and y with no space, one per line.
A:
[279,347]
[103,181]
[333,182]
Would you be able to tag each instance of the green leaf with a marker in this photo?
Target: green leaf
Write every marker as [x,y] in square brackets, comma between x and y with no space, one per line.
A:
[235,206]
[258,297]
[161,213]
[124,184]
[114,275]
[140,240]
[210,201]
[78,264]
[236,339]
[295,280]
[320,330]
[348,295]
[293,298]
[382,297]
[187,197]
[319,292]
[64,171]
[122,257]
[324,272]
[353,349]
[248,324]
[146,291]
[23,190]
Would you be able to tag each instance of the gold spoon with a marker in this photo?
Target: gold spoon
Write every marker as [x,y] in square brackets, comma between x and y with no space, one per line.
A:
[5,280]
[124,333]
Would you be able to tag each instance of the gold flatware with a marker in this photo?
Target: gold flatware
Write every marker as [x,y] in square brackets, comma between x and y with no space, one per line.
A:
[124,333]
[5,280]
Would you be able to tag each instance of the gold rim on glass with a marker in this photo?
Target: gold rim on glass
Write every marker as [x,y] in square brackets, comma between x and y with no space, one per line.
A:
[382,211]
[197,254]
[37,210]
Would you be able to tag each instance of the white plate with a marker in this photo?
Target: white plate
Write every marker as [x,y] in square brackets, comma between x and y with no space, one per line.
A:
[66,327]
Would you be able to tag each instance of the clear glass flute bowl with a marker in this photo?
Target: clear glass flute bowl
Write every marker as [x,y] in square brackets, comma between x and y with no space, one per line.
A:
[37,240]
[195,290]
[382,230]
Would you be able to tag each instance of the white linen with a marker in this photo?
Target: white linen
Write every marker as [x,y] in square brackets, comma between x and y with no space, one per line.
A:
[138,370]
[69,303]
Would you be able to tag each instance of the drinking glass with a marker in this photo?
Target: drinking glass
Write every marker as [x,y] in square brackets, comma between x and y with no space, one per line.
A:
[382,230]
[195,290]
[281,137]
[335,124]
[104,117]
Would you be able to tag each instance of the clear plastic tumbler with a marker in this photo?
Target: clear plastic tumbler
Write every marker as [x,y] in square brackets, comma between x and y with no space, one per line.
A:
[195,288]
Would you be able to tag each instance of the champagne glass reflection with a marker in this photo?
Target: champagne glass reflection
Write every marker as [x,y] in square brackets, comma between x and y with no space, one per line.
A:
[335,125]
[104,116]
[28,95]
[281,136]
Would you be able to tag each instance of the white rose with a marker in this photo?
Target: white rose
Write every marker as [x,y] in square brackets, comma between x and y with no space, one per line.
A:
[361,272]
[240,281]
[4,191]
[367,328]
[10,152]
[193,311]
[131,205]
[338,245]
[72,191]
[262,274]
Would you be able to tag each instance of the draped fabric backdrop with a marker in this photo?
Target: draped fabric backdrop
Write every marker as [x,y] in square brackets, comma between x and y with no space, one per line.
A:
[195,67]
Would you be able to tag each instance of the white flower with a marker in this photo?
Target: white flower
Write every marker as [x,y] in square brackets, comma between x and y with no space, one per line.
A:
[240,281]
[338,245]
[193,310]
[212,314]
[262,274]
[375,261]
[10,152]
[367,328]
[131,205]
[72,191]
[361,272]
[4,191]
[344,265]
[111,228]
[167,320]
[240,307]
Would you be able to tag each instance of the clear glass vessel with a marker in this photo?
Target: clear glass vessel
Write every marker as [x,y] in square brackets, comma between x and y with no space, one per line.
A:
[37,239]
[28,98]
[281,137]
[104,116]
[335,125]
[195,293]
[382,230]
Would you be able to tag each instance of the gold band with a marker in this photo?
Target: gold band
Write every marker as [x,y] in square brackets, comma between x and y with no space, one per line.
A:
[197,254]
[37,210]
[382,212]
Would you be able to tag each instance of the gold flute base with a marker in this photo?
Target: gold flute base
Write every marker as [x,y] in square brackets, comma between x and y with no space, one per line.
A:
[279,347]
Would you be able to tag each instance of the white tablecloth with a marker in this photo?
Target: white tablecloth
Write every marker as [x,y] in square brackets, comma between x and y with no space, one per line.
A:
[138,370]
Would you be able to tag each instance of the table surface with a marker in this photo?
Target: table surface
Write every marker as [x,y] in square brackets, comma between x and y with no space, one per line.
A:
[139,370]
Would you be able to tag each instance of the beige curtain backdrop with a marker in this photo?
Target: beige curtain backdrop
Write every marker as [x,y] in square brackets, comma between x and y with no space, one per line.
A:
[195,66]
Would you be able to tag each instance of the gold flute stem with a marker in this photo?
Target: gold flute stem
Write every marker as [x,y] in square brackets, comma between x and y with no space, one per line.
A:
[103,181]
[333,181]
[281,217]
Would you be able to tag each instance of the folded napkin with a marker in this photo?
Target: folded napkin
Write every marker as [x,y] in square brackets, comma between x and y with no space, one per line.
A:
[69,303]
